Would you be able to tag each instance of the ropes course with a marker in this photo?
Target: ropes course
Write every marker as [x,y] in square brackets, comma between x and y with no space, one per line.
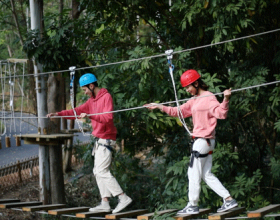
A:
[169,54]
[12,89]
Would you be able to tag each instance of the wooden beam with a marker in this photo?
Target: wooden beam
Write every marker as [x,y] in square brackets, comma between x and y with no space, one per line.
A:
[9,201]
[68,210]
[19,204]
[126,214]
[14,60]
[190,216]
[90,214]
[43,207]
[263,211]
[151,215]
[229,213]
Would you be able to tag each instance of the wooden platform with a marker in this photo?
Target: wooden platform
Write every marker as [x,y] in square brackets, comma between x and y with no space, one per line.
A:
[91,214]
[190,216]
[263,211]
[3,201]
[229,213]
[151,215]
[141,214]
[68,210]
[45,139]
[19,204]
[43,207]
[133,213]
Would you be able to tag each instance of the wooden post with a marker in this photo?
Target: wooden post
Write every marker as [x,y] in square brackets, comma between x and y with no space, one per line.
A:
[19,171]
[8,141]
[67,155]
[18,141]
[56,173]
[44,174]
[0,144]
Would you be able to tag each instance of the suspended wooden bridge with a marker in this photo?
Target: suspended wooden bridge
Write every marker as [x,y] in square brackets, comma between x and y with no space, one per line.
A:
[141,214]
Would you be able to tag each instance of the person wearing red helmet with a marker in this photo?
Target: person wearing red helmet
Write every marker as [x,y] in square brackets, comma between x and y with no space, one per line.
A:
[104,132]
[204,109]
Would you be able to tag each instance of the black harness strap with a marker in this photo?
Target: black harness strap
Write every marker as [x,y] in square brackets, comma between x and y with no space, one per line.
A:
[196,154]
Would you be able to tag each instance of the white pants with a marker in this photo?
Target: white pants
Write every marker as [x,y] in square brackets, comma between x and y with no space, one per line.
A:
[202,169]
[106,182]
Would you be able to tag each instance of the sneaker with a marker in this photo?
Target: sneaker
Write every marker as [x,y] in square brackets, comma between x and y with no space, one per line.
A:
[102,207]
[124,201]
[189,209]
[228,205]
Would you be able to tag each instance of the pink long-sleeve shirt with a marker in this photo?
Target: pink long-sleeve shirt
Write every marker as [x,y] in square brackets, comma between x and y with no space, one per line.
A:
[204,111]
[103,124]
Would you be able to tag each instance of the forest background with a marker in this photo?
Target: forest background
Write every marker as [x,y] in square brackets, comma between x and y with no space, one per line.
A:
[91,33]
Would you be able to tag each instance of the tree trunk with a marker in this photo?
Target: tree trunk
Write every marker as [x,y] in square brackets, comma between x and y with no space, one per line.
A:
[16,21]
[53,102]
[75,9]
[9,50]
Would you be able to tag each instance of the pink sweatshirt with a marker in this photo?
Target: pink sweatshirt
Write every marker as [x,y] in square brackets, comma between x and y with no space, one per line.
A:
[204,111]
[102,125]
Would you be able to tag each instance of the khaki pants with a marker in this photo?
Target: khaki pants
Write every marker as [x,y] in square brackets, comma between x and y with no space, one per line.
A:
[201,169]
[106,182]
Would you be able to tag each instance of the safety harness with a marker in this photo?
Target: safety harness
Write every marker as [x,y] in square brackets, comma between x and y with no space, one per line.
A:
[108,145]
[196,154]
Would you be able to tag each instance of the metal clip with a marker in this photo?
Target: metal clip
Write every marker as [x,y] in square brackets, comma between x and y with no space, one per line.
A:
[169,54]
[72,75]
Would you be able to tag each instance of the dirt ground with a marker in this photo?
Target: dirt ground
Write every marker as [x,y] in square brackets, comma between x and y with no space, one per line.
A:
[25,192]
[80,190]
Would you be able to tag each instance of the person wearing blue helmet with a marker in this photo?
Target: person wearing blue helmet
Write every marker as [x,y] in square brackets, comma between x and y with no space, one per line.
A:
[105,134]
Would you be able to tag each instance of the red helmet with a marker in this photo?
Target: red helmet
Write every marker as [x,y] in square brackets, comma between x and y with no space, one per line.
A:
[189,77]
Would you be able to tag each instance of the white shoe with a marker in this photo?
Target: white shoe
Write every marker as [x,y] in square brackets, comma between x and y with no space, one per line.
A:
[189,209]
[102,207]
[228,205]
[124,201]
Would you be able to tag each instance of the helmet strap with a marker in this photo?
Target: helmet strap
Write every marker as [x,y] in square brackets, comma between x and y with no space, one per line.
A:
[196,87]
[92,91]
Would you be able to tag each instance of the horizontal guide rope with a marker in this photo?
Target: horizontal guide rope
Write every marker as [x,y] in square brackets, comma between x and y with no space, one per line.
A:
[140,107]
[149,57]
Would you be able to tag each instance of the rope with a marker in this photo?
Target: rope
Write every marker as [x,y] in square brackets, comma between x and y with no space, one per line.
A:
[170,102]
[11,96]
[22,95]
[179,111]
[3,102]
[72,77]
[15,69]
[159,55]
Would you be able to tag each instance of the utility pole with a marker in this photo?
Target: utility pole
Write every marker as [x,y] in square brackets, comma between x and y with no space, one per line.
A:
[36,14]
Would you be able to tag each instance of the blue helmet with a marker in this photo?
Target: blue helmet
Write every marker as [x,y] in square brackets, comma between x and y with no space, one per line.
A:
[87,79]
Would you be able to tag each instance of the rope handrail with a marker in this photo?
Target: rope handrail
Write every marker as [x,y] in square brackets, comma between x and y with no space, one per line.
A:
[163,103]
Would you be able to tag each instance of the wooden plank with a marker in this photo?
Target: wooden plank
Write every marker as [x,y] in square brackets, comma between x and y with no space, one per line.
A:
[150,215]
[126,214]
[9,200]
[68,210]
[90,214]
[15,60]
[43,207]
[45,136]
[189,216]
[229,213]
[263,211]
[19,204]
